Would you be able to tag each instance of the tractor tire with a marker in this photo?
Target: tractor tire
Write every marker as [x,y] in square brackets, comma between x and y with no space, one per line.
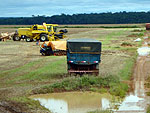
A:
[43,37]
[16,38]
[28,39]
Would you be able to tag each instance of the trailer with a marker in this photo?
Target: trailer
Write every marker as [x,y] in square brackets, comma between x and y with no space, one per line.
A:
[57,48]
[83,56]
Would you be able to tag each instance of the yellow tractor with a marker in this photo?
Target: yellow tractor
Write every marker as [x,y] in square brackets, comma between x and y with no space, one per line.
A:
[45,32]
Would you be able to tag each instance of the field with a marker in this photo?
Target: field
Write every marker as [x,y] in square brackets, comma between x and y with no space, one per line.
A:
[24,71]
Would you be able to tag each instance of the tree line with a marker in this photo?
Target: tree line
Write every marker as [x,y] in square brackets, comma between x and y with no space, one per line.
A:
[92,18]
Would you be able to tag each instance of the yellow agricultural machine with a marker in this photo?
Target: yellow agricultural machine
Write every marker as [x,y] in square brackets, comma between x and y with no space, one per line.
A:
[57,48]
[45,32]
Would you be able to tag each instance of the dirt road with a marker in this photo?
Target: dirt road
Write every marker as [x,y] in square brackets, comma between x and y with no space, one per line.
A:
[137,101]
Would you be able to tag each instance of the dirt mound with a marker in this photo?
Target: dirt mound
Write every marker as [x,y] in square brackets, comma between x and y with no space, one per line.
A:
[10,107]
[126,44]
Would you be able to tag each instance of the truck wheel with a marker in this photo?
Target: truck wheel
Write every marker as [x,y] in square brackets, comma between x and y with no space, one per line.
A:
[43,37]
[28,39]
[16,38]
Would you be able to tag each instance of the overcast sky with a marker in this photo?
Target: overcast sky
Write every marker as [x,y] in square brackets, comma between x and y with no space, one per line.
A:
[27,8]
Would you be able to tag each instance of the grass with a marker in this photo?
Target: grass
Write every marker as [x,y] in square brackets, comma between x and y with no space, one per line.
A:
[87,83]
[148,109]
[101,111]
[126,72]
[30,103]
[19,69]
[139,30]
[111,36]
[37,70]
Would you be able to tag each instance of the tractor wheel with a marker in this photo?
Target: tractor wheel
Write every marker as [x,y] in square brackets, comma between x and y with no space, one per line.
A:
[16,38]
[28,39]
[43,37]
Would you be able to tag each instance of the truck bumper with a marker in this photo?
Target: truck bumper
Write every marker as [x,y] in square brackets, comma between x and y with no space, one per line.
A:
[84,71]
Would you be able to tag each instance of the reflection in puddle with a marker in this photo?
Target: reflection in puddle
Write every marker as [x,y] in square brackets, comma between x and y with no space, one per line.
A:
[56,106]
[74,102]
[132,103]
[144,51]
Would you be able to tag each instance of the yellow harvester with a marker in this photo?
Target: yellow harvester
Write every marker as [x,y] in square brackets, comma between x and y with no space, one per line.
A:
[45,32]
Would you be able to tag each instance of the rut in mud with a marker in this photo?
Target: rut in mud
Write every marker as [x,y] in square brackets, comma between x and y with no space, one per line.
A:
[137,100]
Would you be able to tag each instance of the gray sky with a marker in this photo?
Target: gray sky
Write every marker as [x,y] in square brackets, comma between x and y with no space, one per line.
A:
[27,8]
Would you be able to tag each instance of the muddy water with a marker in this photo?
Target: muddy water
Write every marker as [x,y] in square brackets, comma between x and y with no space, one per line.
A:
[74,102]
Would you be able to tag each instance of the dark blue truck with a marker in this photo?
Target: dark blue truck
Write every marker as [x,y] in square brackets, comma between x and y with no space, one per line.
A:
[83,56]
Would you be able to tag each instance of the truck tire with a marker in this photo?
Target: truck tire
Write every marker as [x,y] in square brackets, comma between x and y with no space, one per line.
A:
[16,38]
[43,37]
[28,39]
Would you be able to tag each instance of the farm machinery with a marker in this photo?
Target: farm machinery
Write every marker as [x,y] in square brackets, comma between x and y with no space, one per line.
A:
[6,36]
[56,48]
[45,32]
[83,55]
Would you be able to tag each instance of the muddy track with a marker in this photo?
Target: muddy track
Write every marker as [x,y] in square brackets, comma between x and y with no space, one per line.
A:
[7,107]
[136,101]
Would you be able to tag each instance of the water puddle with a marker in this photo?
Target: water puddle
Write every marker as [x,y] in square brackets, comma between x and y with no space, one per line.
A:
[135,101]
[143,51]
[74,102]
[132,103]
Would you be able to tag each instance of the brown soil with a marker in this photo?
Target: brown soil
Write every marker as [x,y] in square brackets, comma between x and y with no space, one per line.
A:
[126,44]
[141,72]
[133,35]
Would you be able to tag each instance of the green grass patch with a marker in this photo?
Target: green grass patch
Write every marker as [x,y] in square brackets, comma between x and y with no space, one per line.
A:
[19,69]
[86,83]
[148,109]
[111,36]
[52,69]
[29,103]
[138,30]
[126,72]
[137,34]
[101,111]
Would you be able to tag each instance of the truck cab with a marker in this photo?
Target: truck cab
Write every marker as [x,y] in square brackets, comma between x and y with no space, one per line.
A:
[83,56]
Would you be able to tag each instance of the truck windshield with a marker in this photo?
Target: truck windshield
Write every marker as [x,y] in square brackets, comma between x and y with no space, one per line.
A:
[84,47]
